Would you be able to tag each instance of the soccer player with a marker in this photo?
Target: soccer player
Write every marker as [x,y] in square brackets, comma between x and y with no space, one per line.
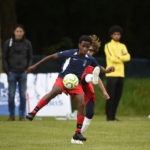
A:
[88,86]
[78,60]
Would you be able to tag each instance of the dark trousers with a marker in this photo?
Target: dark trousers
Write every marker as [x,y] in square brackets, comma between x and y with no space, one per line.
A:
[90,109]
[114,88]
[13,79]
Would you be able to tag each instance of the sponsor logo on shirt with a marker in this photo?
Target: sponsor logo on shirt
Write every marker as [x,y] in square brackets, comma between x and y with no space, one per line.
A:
[85,62]
[75,59]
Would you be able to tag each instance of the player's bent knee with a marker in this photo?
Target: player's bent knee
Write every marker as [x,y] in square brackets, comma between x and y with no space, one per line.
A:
[56,90]
[90,115]
[53,93]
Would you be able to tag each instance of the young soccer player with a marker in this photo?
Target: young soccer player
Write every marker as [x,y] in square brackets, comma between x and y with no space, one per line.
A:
[88,85]
[78,60]
[116,55]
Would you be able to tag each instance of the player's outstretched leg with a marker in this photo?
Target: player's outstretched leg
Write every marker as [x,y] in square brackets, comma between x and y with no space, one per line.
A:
[89,115]
[44,101]
[78,137]
[93,77]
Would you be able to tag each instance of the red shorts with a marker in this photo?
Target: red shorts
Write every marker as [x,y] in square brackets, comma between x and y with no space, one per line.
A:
[78,90]
[88,88]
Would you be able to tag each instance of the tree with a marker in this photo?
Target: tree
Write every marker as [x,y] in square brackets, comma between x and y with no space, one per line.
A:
[7,22]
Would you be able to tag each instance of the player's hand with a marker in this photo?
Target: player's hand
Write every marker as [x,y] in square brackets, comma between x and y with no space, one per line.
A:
[117,57]
[110,69]
[31,68]
[125,54]
[106,96]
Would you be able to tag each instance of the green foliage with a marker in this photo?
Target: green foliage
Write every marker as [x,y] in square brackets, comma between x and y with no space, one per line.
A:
[132,133]
[65,43]
[49,21]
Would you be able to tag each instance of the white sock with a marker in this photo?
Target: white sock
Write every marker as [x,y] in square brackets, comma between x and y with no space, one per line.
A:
[89,78]
[85,125]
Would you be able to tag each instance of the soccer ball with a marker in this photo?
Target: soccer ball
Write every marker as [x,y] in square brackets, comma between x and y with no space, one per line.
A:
[70,81]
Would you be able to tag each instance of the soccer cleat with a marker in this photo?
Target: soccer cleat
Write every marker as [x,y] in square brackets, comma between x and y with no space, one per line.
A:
[78,138]
[96,73]
[76,141]
[30,116]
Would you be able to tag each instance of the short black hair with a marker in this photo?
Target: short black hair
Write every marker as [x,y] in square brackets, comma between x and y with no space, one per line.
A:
[115,28]
[85,38]
[19,26]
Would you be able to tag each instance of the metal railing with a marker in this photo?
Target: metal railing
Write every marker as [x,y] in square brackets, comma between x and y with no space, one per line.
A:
[134,68]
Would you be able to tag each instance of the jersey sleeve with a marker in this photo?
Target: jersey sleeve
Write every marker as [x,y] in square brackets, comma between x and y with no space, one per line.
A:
[94,62]
[109,54]
[66,53]
[127,56]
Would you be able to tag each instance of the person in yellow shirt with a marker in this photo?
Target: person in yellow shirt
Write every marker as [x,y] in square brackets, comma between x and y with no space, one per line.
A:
[116,55]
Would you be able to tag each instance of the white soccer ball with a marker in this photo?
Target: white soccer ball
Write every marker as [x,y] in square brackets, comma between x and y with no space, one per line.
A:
[70,81]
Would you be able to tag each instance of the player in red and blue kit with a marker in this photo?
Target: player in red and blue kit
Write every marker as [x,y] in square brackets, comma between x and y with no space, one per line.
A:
[88,87]
[78,60]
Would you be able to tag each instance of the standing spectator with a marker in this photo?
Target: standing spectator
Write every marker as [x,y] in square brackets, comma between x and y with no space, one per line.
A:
[17,57]
[116,54]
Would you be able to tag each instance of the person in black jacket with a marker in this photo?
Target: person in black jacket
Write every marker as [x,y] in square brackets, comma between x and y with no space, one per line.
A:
[17,57]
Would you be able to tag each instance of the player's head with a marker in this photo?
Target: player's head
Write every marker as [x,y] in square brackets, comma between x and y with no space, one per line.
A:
[84,44]
[19,32]
[94,48]
[115,32]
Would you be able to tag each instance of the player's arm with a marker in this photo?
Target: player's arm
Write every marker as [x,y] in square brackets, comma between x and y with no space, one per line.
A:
[109,70]
[102,69]
[100,84]
[125,55]
[48,58]
[109,54]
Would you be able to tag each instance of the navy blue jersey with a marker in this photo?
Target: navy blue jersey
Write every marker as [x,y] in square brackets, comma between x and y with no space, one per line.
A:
[74,63]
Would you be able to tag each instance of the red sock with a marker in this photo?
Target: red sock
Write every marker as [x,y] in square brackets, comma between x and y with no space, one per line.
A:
[80,120]
[41,104]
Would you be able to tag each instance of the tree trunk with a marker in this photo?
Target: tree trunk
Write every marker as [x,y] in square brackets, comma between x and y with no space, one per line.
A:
[0,50]
[7,22]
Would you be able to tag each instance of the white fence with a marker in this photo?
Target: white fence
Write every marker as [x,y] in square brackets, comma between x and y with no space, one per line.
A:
[37,86]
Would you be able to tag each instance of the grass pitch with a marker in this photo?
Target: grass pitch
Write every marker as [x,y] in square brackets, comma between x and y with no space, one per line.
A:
[131,133]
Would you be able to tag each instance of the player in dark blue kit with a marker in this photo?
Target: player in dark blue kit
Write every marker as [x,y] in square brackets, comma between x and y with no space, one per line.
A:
[78,60]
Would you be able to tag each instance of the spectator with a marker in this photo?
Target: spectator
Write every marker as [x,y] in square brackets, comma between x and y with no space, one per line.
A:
[17,57]
[116,54]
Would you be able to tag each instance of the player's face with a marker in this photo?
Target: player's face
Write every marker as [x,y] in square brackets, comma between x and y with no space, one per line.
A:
[116,36]
[91,51]
[83,48]
[19,33]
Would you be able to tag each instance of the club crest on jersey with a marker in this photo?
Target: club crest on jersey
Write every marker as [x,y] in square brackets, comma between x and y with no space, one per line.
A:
[85,62]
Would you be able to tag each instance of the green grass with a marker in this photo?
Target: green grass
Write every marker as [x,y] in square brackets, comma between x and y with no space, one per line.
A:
[135,99]
[132,133]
